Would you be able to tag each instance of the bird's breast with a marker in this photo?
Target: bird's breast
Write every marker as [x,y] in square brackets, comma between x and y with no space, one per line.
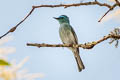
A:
[66,34]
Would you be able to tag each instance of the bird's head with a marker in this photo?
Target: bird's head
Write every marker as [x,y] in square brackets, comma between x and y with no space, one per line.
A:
[62,19]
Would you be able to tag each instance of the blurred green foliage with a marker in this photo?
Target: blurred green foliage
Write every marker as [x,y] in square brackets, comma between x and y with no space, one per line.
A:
[4,63]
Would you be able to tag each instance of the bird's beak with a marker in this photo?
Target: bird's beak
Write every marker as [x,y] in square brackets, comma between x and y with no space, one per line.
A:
[55,18]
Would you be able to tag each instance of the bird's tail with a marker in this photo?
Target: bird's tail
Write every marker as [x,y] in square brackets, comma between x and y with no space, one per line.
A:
[78,60]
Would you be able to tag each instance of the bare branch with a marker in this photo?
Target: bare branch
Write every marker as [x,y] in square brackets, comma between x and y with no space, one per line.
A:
[104,15]
[110,9]
[75,5]
[14,28]
[61,5]
[89,45]
[117,2]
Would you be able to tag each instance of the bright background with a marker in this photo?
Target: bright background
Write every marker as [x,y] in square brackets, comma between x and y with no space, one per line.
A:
[101,62]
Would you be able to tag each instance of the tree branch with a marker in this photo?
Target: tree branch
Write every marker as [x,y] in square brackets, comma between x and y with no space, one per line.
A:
[14,28]
[60,5]
[88,45]
[75,5]
[117,2]
[110,9]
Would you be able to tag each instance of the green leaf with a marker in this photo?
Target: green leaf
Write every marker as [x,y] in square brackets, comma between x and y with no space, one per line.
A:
[4,63]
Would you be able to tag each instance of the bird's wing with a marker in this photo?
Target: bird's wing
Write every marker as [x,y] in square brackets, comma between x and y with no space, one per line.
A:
[74,35]
[68,34]
[76,52]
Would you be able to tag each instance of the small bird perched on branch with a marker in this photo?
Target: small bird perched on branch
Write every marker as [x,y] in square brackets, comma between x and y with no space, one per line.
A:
[68,36]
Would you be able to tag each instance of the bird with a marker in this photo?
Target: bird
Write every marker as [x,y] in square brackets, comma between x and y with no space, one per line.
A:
[68,36]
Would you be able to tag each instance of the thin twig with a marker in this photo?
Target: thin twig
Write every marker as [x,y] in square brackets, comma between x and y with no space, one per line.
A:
[104,15]
[110,9]
[14,28]
[117,2]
